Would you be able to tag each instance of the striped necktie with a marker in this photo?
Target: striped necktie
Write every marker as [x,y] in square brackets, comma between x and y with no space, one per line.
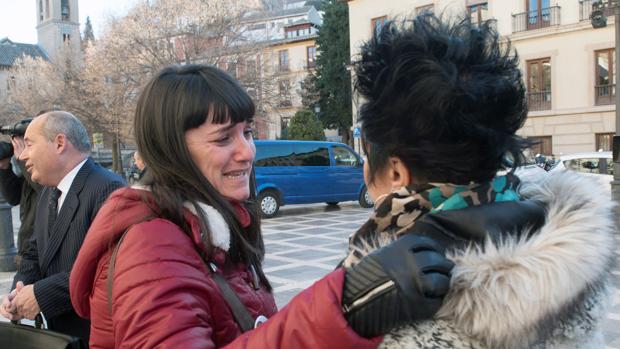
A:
[53,208]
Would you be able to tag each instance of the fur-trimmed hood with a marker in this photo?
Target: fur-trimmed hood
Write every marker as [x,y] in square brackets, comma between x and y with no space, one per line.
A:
[547,288]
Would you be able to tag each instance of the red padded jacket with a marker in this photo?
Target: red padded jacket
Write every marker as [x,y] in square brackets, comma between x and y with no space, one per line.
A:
[163,294]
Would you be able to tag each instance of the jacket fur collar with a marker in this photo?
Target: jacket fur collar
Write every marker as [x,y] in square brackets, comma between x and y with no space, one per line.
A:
[544,288]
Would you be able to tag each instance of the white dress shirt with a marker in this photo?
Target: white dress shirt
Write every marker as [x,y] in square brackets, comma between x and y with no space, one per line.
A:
[65,183]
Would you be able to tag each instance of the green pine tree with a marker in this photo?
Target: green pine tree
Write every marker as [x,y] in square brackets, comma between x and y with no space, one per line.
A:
[305,126]
[333,80]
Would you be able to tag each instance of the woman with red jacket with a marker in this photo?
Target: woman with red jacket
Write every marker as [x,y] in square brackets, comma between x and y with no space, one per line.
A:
[162,259]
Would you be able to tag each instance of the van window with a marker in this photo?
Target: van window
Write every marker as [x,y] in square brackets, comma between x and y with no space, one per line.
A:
[311,155]
[344,157]
[268,155]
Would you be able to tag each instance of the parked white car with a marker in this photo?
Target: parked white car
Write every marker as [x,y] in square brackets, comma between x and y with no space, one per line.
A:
[597,164]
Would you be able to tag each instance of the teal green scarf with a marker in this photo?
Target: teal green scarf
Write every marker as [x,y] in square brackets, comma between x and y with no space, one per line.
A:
[396,213]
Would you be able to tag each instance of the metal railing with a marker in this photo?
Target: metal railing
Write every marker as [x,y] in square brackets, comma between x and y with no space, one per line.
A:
[535,19]
[539,100]
[585,10]
[605,94]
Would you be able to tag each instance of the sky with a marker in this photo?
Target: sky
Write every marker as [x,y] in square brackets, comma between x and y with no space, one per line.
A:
[18,17]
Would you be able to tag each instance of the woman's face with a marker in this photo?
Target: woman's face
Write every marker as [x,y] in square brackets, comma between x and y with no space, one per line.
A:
[224,154]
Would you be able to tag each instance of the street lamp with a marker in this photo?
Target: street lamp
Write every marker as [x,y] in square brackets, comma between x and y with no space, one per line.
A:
[7,244]
[598,19]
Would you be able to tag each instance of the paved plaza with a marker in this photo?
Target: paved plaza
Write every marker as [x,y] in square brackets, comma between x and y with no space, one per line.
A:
[305,242]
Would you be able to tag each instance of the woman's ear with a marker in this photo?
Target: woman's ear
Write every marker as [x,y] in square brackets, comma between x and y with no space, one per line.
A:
[399,174]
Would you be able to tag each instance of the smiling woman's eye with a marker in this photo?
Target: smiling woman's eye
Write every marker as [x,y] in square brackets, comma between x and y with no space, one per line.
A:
[222,140]
[248,133]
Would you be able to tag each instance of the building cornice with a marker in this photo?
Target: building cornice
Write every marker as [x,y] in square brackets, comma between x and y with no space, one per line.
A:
[572,111]
[56,21]
[287,41]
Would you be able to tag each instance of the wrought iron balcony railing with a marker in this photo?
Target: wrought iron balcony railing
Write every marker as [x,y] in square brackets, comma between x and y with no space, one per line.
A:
[535,19]
[539,100]
[604,94]
[585,10]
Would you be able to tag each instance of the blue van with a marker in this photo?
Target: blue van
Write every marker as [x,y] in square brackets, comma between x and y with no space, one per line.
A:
[301,172]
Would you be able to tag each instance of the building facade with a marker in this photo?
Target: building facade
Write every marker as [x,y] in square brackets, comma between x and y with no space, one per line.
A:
[289,61]
[289,52]
[568,66]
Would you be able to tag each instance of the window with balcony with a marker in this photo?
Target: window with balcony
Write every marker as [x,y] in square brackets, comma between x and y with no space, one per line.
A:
[479,13]
[539,14]
[232,69]
[605,78]
[10,84]
[284,91]
[377,23]
[283,61]
[604,141]
[539,84]
[542,145]
[311,57]
[251,71]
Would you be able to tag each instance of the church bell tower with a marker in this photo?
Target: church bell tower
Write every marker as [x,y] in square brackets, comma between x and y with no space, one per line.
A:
[57,26]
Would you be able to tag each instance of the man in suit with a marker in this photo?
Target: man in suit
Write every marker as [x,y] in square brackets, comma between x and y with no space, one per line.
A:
[57,157]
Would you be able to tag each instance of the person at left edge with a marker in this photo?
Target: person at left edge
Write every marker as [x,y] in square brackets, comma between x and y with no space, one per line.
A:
[57,157]
[18,188]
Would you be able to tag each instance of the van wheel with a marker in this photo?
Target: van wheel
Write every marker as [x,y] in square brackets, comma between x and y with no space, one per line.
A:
[269,205]
[332,203]
[364,199]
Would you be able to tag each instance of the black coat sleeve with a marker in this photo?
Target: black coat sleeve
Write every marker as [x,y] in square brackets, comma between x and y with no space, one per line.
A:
[11,186]
[29,270]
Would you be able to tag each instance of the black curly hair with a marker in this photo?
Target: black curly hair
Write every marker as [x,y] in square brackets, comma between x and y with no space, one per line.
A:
[444,97]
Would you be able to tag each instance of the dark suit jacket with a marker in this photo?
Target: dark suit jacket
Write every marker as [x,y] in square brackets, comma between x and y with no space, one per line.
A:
[48,260]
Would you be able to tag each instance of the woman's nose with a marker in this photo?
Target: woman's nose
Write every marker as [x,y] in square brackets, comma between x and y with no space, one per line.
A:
[245,150]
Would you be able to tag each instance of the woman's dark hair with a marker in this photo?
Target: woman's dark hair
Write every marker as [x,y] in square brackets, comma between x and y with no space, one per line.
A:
[446,98]
[177,99]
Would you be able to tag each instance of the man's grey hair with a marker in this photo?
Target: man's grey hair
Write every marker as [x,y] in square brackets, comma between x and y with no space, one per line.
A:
[63,122]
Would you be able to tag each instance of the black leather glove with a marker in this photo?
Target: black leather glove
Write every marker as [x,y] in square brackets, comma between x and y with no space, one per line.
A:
[400,283]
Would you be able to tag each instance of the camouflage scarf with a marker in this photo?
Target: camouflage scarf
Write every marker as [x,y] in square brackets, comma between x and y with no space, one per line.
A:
[397,212]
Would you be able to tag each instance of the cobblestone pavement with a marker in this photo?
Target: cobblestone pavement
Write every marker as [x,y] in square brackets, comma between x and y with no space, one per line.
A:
[305,242]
